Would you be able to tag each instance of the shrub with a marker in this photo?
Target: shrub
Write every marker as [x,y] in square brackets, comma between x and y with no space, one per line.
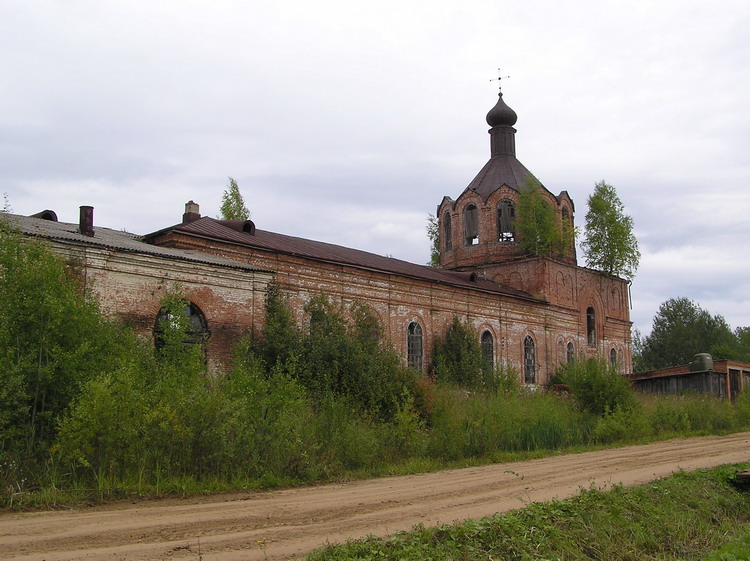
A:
[457,358]
[624,424]
[670,416]
[341,354]
[505,380]
[52,342]
[596,386]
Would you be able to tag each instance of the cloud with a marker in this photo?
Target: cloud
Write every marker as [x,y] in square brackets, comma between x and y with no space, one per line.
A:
[348,123]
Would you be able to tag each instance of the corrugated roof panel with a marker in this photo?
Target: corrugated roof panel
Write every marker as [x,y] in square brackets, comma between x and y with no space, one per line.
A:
[113,239]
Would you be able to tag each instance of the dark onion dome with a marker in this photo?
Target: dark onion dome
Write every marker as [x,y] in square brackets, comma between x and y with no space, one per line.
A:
[501,114]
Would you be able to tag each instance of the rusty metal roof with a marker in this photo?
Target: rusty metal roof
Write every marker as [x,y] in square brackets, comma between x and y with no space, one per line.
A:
[218,230]
[498,171]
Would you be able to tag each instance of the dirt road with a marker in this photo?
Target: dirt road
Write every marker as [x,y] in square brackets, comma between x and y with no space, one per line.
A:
[295,521]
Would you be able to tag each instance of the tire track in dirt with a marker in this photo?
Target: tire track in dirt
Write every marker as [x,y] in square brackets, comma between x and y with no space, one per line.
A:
[294,521]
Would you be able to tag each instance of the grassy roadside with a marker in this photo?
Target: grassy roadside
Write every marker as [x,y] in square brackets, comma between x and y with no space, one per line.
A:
[687,516]
[736,550]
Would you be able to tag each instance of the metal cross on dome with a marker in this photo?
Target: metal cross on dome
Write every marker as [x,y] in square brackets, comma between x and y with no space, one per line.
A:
[499,80]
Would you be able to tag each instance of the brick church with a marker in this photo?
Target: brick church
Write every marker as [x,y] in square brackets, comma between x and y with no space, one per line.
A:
[532,313]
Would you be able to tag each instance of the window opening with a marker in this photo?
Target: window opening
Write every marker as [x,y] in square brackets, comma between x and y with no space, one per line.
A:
[506,217]
[488,348]
[571,352]
[471,228]
[613,357]
[591,326]
[196,331]
[529,361]
[414,346]
[447,231]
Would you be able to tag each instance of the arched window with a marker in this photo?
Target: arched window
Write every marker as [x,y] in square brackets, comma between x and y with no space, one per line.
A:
[190,322]
[471,225]
[506,218]
[529,361]
[414,346]
[488,348]
[591,326]
[447,231]
[571,352]
[613,357]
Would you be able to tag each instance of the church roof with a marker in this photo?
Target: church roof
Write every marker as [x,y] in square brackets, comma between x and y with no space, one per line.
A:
[501,114]
[503,168]
[107,238]
[231,232]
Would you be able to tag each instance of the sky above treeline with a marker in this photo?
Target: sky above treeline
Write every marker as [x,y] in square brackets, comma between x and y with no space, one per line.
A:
[347,122]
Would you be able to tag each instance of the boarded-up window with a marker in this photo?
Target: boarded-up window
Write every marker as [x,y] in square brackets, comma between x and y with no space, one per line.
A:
[414,346]
[506,218]
[529,361]
[447,231]
[471,225]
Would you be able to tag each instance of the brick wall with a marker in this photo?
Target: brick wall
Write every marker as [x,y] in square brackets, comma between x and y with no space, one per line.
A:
[399,300]
[130,287]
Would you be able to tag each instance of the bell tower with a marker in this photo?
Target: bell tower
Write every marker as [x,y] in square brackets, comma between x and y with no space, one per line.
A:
[478,229]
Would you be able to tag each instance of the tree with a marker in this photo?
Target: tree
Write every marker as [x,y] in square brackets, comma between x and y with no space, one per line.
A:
[232,204]
[742,335]
[680,330]
[433,234]
[457,357]
[53,340]
[539,230]
[610,245]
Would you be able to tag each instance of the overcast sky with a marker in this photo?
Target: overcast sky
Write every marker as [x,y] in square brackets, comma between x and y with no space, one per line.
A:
[348,122]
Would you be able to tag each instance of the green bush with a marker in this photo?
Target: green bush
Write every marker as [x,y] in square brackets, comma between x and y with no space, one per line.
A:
[624,424]
[341,354]
[457,359]
[670,416]
[52,342]
[597,387]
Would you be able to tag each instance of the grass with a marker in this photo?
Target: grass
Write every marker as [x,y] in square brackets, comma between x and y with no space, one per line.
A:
[336,444]
[687,516]
[736,550]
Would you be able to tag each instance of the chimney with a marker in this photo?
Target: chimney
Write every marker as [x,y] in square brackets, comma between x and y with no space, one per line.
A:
[192,212]
[86,222]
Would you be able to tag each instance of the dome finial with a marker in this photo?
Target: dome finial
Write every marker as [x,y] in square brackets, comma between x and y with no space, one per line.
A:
[499,80]
[501,114]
